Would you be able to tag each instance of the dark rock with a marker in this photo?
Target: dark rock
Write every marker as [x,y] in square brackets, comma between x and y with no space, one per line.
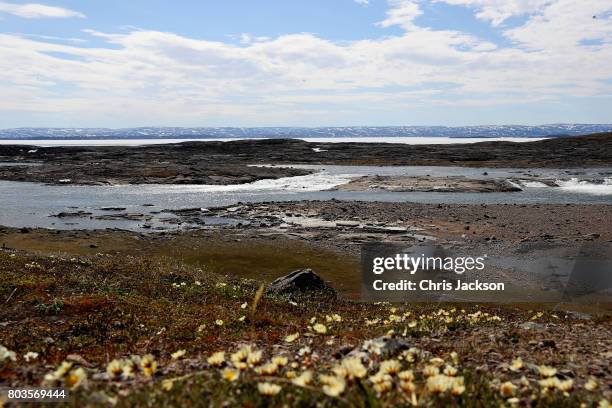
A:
[302,281]
[71,214]
[343,351]
[387,346]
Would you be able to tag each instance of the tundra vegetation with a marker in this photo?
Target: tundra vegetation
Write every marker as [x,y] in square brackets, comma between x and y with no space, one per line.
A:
[129,331]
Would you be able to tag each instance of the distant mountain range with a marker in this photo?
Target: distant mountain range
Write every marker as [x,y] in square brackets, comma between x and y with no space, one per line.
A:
[303,132]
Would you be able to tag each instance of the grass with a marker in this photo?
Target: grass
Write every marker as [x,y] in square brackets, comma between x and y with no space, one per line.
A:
[92,310]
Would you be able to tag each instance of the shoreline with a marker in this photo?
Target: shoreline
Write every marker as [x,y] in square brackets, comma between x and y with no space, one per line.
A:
[224,163]
[277,237]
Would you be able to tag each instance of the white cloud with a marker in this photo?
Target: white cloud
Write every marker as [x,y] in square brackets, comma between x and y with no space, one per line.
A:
[401,13]
[497,11]
[143,74]
[362,2]
[564,24]
[34,10]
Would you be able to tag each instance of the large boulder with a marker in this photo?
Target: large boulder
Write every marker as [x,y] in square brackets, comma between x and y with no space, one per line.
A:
[301,282]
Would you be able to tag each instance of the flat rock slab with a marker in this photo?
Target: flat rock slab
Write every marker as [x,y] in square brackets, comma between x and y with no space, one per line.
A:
[449,184]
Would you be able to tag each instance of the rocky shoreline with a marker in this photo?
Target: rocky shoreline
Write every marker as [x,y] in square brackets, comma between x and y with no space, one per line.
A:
[237,162]
[269,239]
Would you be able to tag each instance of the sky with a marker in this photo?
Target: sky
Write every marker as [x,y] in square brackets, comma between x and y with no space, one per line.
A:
[129,63]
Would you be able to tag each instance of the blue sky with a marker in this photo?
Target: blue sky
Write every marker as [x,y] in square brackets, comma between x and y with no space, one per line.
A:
[297,63]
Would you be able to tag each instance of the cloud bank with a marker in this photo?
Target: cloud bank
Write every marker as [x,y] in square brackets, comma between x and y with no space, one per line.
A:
[151,77]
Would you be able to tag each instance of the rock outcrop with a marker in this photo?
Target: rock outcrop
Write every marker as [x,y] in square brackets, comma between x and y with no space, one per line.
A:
[301,282]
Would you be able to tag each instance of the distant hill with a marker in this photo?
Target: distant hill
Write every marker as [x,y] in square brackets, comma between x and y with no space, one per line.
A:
[302,132]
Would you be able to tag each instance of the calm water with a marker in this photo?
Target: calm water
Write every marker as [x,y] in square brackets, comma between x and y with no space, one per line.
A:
[31,204]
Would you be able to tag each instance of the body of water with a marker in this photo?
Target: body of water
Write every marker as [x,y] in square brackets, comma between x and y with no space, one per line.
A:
[32,204]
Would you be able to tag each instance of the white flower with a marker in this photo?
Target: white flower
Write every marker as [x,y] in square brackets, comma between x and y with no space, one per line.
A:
[114,369]
[148,365]
[254,357]
[303,380]
[591,384]
[390,367]
[507,389]
[280,361]
[319,328]
[268,389]
[334,386]
[229,374]
[76,378]
[216,359]
[6,354]
[546,371]
[292,337]
[354,368]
